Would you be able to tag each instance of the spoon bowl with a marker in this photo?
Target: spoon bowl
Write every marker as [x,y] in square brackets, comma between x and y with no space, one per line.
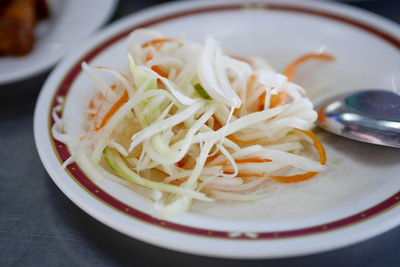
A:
[371,116]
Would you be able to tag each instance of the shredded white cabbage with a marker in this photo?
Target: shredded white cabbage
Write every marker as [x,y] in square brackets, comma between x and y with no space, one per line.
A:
[192,123]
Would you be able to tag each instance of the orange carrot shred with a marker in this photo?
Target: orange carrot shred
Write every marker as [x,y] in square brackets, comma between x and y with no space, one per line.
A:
[321,114]
[211,158]
[241,142]
[261,102]
[91,104]
[294,178]
[317,145]
[279,99]
[112,110]
[149,56]
[177,182]
[159,43]
[275,100]
[217,124]
[291,68]
[239,161]
[250,82]
[248,61]
[252,160]
[98,97]
[159,71]
[301,177]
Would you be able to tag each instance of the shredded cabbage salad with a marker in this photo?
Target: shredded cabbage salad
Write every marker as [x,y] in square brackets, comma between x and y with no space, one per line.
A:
[192,123]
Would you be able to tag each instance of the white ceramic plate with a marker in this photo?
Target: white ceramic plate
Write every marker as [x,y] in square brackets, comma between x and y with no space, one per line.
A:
[357,198]
[69,23]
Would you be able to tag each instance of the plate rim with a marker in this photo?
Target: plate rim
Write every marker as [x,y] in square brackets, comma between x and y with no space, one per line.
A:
[106,34]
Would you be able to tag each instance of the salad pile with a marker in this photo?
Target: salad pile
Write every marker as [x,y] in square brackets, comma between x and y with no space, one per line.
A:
[192,123]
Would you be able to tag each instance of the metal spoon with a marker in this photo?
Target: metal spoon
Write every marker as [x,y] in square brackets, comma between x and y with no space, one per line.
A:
[371,116]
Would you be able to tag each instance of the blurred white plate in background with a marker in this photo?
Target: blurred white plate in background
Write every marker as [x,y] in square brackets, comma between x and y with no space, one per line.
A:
[69,23]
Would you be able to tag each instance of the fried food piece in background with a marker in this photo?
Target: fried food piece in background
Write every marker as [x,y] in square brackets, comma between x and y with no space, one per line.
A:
[17,24]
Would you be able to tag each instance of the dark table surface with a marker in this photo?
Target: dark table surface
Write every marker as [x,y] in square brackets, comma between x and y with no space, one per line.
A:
[40,226]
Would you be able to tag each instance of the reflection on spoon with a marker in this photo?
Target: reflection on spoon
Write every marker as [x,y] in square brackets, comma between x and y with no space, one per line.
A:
[371,116]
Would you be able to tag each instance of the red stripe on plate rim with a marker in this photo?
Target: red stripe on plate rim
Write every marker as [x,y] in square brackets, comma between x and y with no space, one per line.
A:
[83,180]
